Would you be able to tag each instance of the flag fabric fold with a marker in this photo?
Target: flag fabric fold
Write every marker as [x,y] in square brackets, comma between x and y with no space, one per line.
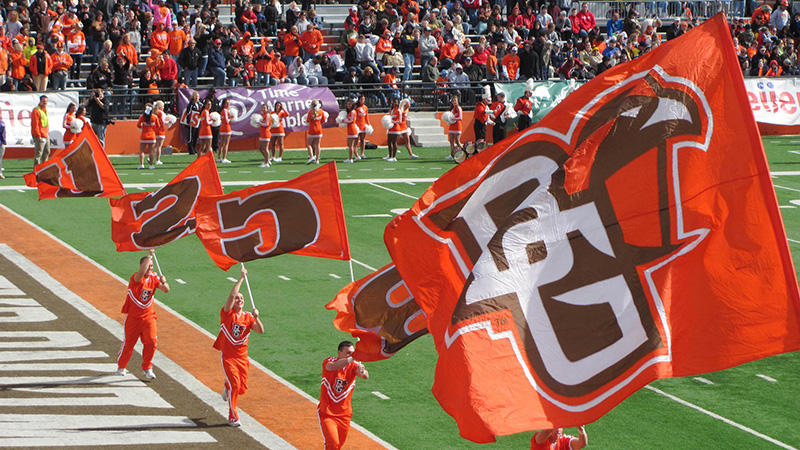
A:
[80,170]
[303,216]
[380,312]
[145,220]
[633,234]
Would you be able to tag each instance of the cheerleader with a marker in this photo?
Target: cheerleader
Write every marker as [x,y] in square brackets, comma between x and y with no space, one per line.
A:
[161,131]
[69,136]
[278,133]
[225,132]
[362,120]
[454,133]
[397,129]
[405,108]
[265,133]
[205,134]
[351,120]
[316,117]
[148,123]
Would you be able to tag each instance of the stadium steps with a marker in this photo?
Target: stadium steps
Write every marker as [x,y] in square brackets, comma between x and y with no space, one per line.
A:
[426,130]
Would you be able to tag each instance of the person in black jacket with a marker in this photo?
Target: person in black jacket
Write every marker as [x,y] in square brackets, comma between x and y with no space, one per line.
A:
[189,60]
[191,120]
[215,107]
[122,82]
[272,15]
[101,77]
[97,105]
[409,40]
[528,62]
[217,63]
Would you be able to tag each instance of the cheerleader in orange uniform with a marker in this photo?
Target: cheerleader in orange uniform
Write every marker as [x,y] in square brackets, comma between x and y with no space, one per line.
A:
[265,134]
[362,120]
[148,123]
[68,118]
[316,117]
[204,136]
[161,131]
[352,131]
[397,129]
[405,108]
[454,133]
[278,133]
[225,132]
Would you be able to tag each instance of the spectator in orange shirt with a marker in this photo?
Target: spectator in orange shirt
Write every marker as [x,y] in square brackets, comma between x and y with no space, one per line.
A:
[159,39]
[178,38]
[41,66]
[245,46]
[128,50]
[510,65]
[278,72]
[311,41]
[18,64]
[153,62]
[4,63]
[291,45]
[449,53]
[76,45]
[61,64]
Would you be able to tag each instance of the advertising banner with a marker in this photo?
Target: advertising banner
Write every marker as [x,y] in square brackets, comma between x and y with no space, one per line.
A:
[15,110]
[774,100]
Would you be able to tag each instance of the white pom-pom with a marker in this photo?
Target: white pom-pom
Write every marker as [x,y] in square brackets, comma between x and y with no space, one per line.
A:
[233,113]
[325,116]
[510,113]
[368,129]
[386,121]
[449,118]
[274,121]
[216,120]
[341,118]
[76,126]
[170,120]
[255,120]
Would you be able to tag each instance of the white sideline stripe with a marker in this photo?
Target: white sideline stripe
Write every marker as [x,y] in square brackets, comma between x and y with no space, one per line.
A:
[392,190]
[786,188]
[723,419]
[365,265]
[60,367]
[232,280]
[793,241]
[703,380]
[333,275]
[146,186]
[786,207]
[764,377]
[179,281]
[789,173]
[363,216]
[379,395]
[795,152]
[284,278]
[252,427]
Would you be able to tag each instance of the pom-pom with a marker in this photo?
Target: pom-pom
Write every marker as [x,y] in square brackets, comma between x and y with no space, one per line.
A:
[170,120]
[368,129]
[509,112]
[325,116]
[448,117]
[216,120]
[386,121]
[76,126]
[274,121]
[340,119]
[255,120]
[233,113]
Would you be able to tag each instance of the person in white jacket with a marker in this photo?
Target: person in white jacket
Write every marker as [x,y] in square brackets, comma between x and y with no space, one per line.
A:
[427,45]
[314,72]
[297,71]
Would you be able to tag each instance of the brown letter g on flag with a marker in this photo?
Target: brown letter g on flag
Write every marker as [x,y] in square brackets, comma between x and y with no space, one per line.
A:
[267,223]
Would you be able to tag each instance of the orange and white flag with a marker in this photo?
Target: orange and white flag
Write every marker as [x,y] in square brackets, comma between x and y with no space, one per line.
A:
[303,216]
[147,220]
[632,234]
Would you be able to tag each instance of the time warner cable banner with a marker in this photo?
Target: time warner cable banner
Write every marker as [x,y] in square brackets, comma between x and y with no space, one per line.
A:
[774,100]
[296,101]
[15,110]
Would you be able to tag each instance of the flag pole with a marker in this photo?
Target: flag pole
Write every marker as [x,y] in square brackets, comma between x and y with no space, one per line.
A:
[247,282]
[352,279]
[158,266]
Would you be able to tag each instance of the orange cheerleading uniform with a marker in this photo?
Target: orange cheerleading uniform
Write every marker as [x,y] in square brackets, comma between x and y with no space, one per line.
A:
[455,128]
[205,125]
[225,127]
[352,125]
[148,134]
[399,120]
[279,131]
[335,409]
[362,118]
[265,133]
[161,129]
[523,105]
[315,123]
[68,134]
[561,444]
[140,321]
[234,331]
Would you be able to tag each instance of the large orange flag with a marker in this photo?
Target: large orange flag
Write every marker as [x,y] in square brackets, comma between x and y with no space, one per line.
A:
[634,234]
[80,170]
[379,311]
[151,219]
[303,216]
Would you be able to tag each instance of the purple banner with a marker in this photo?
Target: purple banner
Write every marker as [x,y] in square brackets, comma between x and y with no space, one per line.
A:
[296,101]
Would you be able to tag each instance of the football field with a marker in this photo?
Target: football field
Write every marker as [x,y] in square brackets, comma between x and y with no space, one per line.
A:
[746,407]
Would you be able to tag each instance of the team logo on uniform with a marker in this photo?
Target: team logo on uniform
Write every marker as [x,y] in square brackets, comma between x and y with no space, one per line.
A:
[146,295]
[340,385]
[237,330]
[558,247]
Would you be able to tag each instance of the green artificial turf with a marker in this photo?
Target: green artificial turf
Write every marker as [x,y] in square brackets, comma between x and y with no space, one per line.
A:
[299,333]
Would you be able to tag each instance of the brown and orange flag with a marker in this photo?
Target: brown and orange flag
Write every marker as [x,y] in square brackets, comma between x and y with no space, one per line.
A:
[80,170]
[303,216]
[380,312]
[147,220]
[634,234]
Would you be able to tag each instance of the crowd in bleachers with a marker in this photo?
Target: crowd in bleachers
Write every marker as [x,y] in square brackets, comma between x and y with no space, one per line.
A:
[766,46]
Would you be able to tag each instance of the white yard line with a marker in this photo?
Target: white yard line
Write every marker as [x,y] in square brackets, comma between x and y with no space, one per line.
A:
[333,275]
[179,281]
[147,186]
[393,191]
[703,380]
[284,278]
[379,395]
[723,419]
[232,280]
[365,265]
[764,377]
